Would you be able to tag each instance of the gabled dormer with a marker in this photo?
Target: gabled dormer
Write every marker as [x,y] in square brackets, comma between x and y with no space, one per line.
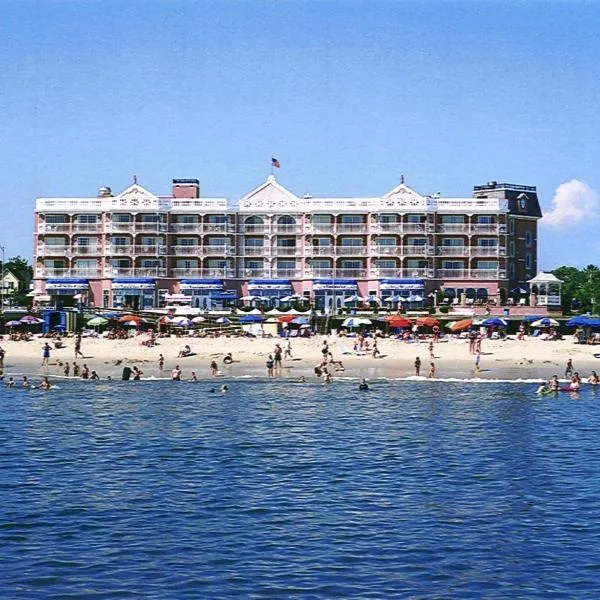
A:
[269,197]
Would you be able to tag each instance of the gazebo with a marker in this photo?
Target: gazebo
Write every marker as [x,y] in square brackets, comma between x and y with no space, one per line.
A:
[544,290]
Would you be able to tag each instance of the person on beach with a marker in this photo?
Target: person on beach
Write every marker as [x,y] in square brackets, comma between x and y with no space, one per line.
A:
[472,339]
[187,351]
[194,378]
[214,368]
[593,378]
[569,368]
[288,350]
[137,374]
[431,355]
[45,384]
[375,353]
[161,362]
[75,369]
[277,352]
[176,373]
[85,372]
[26,385]
[46,354]
[78,351]
[94,376]
[431,370]
[2,354]
[477,361]
[418,366]
[269,364]
[67,369]
[10,383]
[301,379]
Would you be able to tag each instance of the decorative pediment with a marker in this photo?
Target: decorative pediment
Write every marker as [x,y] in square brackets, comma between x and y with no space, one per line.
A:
[135,197]
[404,197]
[270,197]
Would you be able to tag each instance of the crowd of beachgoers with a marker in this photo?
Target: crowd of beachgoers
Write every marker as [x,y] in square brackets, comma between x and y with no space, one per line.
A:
[415,352]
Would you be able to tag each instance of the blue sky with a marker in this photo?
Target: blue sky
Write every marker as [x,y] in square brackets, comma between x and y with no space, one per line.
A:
[348,95]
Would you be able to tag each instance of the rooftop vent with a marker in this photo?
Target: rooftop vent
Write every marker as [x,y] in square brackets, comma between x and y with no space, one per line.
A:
[104,192]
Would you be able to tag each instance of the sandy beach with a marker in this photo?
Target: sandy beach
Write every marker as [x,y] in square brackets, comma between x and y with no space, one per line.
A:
[510,359]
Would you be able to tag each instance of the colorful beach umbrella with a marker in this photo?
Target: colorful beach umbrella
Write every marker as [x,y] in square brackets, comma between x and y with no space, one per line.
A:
[427,322]
[198,319]
[31,320]
[398,321]
[181,322]
[96,321]
[352,322]
[13,323]
[223,321]
[127,318]
[545,322]
[494,322]
[165,320]
[461,325]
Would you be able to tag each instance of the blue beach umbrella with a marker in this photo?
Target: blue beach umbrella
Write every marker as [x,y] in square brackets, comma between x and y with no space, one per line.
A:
[494,322]
[223,321]
[578,321]
[300,321]
[252,319]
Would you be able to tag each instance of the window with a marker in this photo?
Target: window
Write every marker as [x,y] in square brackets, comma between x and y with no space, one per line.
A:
[86,265]
[120,218]
[322,219]
[255,242]
[186,242]
[86,241]
[511,226]
[528,260]
[486,219]
[191,219]
[216,241]
[351,219]
[55,241]
[187,264]
[456,265]
[511,247]
[351,242]
[453,242]
[486,264]
[254,220]
[388,218]
[452,219]
[253,263]
[416,263]
[487,242]
[320,263]
[56,219]
[219,263]
[150,219]
[511,270]
[286,242]
[415,218]
[289,265]
[416,241]
[385,264]
[87,219]
[286,220]
[120,263]
[386,241]
[528,239]
[149,241]
[148,263]
[351,264]
[320,242]
[219,219]
[55,264]
[120,241]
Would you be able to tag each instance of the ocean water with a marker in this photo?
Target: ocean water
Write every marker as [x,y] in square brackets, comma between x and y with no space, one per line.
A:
[432,489]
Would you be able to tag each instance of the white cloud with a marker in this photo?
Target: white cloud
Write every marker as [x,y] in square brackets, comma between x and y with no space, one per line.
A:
[573,202]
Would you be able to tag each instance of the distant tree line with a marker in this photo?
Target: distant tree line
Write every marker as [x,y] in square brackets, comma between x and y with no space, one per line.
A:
[580,290]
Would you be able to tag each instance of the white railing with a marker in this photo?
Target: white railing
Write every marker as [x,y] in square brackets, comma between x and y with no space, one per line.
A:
[53,250]
[413,227]
[255,251]
[218,228]
[185,227]
[255,272]
[286,251]
[452,251]
[319,250]
[352,228]
[54,228]
[135,272]
[286,273]
[468,273]
[218,249]
[186,250]
[484,228]
[282,229]
[119,227]
[351,272]
[351,250]
[87,228]
[66,272]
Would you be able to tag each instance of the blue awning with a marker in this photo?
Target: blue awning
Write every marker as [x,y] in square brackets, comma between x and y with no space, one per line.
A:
[402,284]
[224,295]
[66,280]
[201,284]
[269,284]
[335,284]
[134,280]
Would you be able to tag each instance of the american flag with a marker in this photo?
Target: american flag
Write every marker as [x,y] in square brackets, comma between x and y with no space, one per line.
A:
[275,163]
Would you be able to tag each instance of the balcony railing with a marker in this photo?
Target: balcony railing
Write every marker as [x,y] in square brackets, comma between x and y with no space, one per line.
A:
[484,228]
[254,229]
[351,228]
[54,228]
[351,272]
[185,227]
[401,273]
[202,272]
[53,250]
[217,249]
[80,250]
[286,251]
[135,272]
[255,251]
[469,273]
[320,228]
[186,250]
[113,227]
[413,227]
[218,228]
[286,273]
[66,272]
[471,251]
[319,250]
[287,229]
[255,272]
[452,251]
[87,227]
[351,250]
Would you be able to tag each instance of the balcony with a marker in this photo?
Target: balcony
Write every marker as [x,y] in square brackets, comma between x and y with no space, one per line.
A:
[121,249]
[484,228]
[116,227]
[413,227]
[381,250]
[255,272]
[185,250]
[351,273]
[218,228]
[150,250]
[286,273]
[318,272]
[151,227]
[416,250]
[186,228]
[54,228]
[488,250]
[44,272]
[254,229]
[485,274]
[352,228]
[468,273]
[217,249]
[287,229]
[351,250]
[319,228]
[255,251]
[387,227]
[180,272]
[453,251]
[81,250]
[87,228]
[135,272]
[401,273]
[453,228]
[319,250]
[53,250]
[286,251]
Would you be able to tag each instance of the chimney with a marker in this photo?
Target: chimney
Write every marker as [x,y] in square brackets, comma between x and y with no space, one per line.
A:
[186,188]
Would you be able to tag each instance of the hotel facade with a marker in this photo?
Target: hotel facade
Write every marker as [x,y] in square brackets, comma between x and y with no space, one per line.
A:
[137,250]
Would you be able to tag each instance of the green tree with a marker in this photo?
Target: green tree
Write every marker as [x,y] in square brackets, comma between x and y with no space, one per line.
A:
[21,268]
[580,288]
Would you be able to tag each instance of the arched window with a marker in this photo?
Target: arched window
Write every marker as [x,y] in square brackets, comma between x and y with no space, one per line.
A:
[286,220]
[254,220]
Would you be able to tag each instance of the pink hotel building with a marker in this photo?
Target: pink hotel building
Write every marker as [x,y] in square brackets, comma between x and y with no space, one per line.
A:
[135,249]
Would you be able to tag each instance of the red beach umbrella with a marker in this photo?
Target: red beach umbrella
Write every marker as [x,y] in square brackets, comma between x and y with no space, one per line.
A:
[427,321]
[461,325]
[127,318]
[286,318]
[398,321]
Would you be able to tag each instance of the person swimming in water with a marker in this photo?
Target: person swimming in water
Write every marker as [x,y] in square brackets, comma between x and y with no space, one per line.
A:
[364,386]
